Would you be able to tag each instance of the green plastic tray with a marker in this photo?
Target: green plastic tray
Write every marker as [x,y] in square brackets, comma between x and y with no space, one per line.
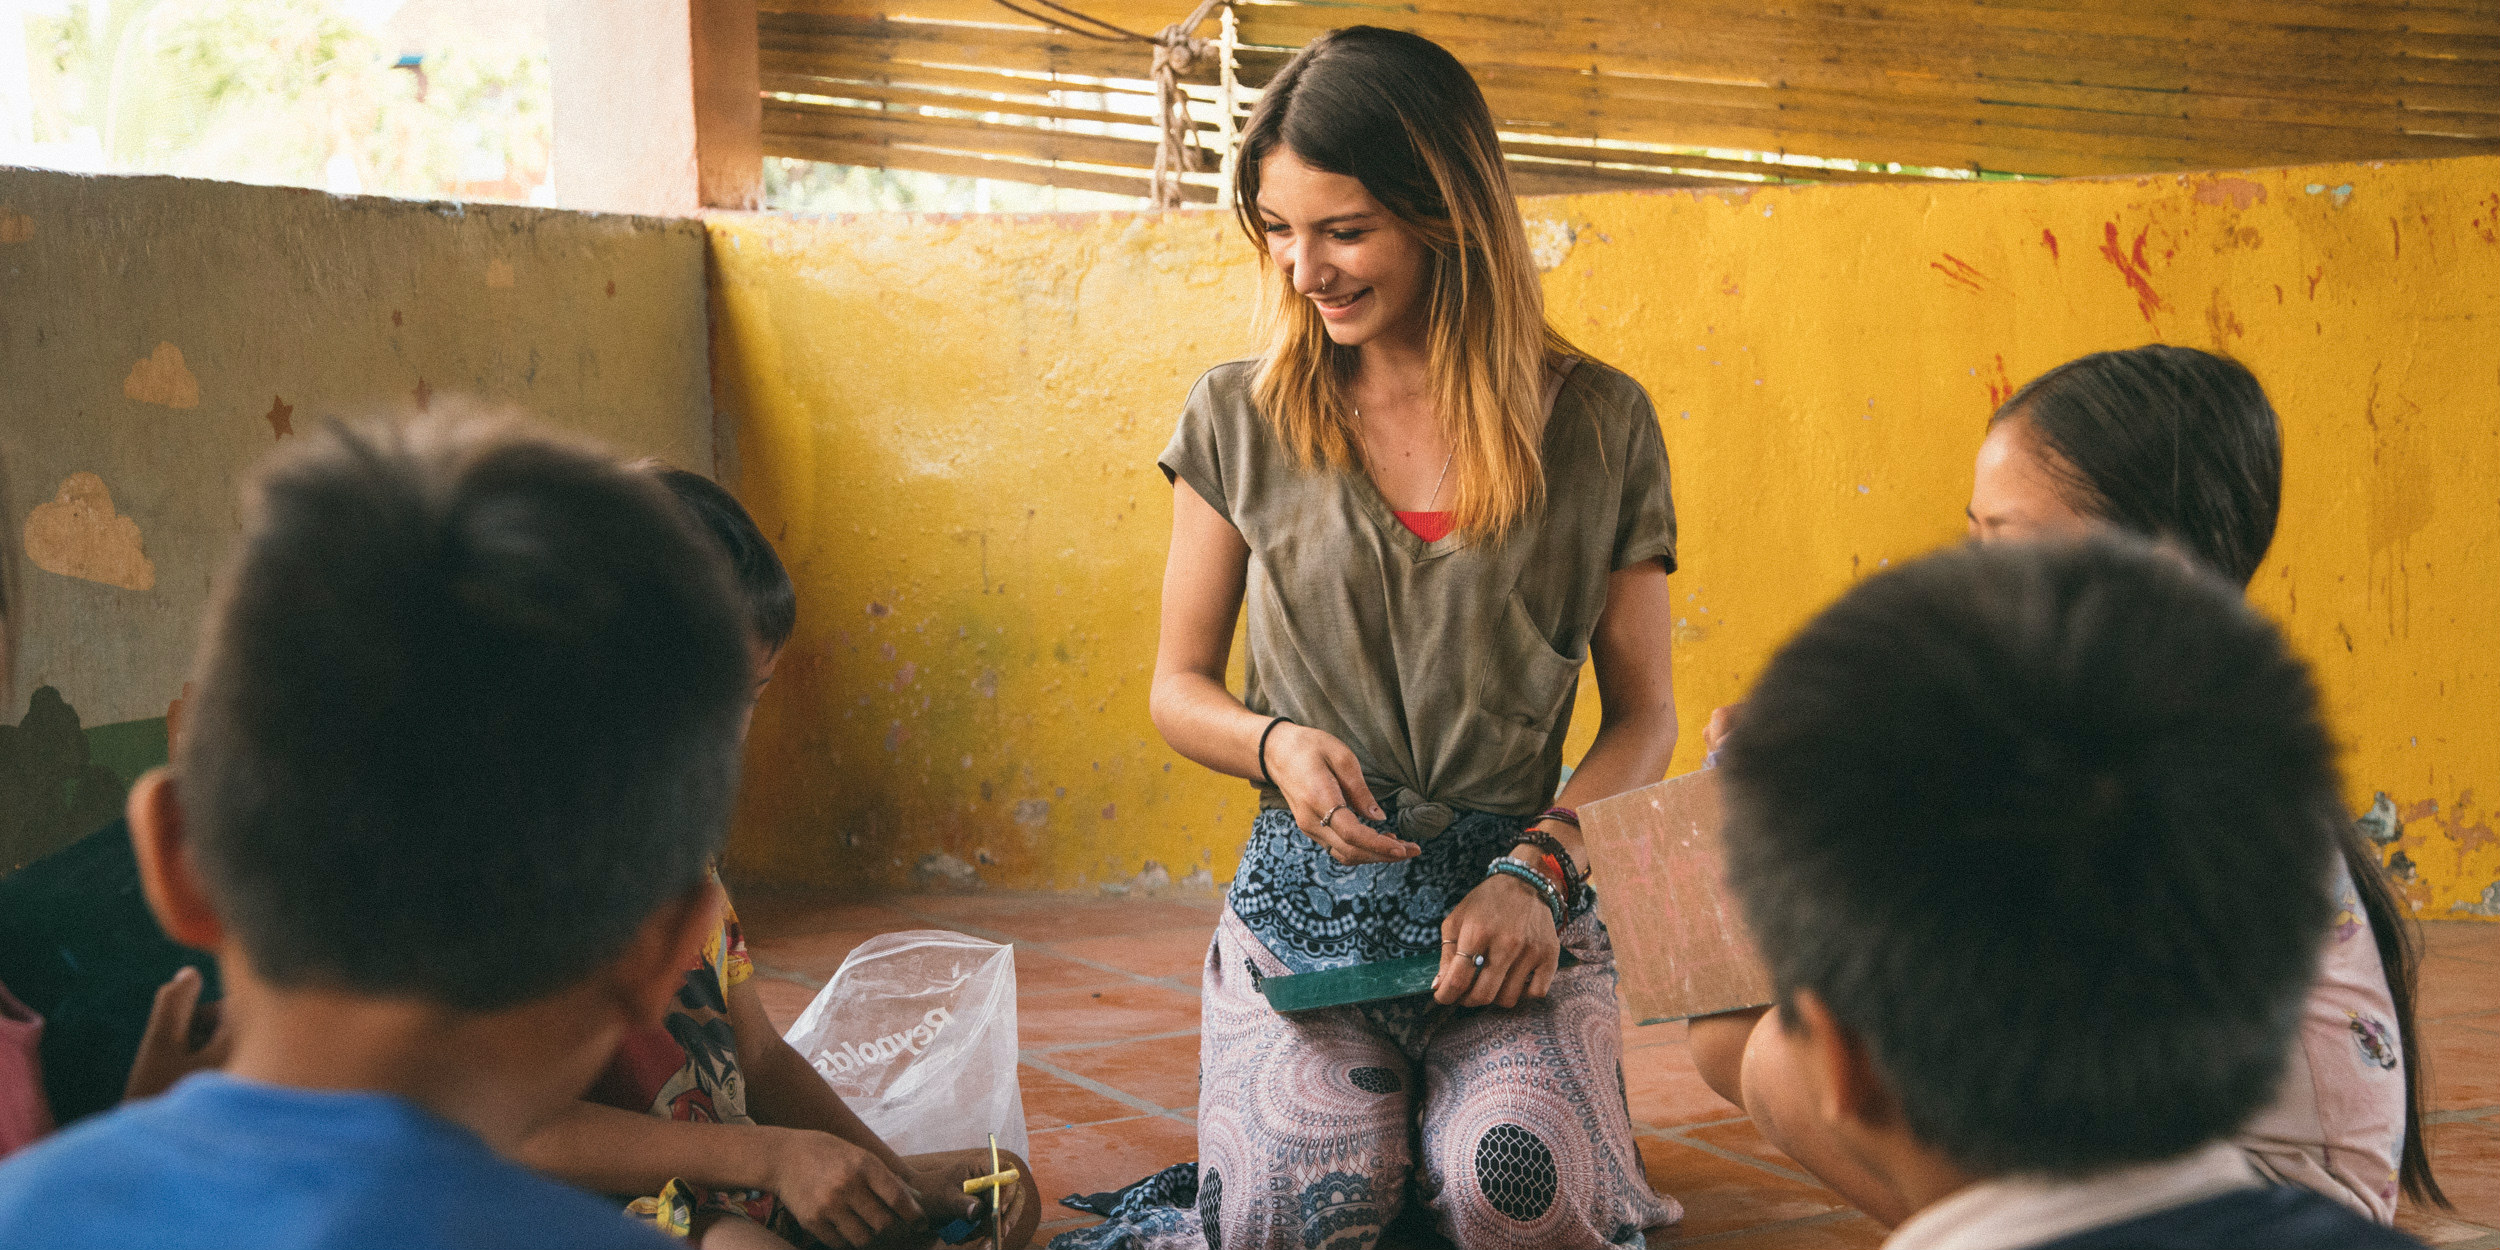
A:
[1363,983]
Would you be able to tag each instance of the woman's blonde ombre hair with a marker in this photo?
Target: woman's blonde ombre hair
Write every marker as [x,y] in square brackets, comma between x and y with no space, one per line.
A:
[1401,115]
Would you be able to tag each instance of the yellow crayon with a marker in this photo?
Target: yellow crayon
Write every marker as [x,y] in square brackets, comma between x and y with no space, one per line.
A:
[995,1180]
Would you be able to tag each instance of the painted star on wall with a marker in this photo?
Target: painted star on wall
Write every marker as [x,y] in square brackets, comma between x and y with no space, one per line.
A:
[281,417]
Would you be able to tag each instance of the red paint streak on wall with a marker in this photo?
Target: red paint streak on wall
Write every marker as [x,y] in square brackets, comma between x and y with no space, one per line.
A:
[2489,226]
[2000,388]
[2051,240]
[2313,281]
[1961,272]
[2133,269]
[2397,232]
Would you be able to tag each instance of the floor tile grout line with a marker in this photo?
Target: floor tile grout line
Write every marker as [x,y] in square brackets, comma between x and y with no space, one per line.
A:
[1732,1156]
[1667,1130]
[957,926]
[1064,1047]
[983,932]
[1125,1119]
[1051,949]
[1802,1221]
[771,973]
[2461,1114]
[1093,1086]
[1167,983]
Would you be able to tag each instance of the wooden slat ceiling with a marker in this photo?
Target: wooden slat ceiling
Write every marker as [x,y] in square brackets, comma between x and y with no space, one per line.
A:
[1596,94]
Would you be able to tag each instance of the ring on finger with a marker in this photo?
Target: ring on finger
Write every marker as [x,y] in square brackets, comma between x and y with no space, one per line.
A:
[1330,814]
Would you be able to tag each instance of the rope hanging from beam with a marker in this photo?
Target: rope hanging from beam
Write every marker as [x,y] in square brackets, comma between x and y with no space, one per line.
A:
[1176,52]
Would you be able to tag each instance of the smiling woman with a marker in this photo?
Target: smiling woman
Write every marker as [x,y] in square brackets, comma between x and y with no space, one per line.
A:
[1380,193]
[1435,512]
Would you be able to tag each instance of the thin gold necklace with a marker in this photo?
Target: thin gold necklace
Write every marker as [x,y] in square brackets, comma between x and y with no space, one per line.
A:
[1437,482]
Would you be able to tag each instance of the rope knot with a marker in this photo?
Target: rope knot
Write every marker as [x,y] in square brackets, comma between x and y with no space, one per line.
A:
[1178,51]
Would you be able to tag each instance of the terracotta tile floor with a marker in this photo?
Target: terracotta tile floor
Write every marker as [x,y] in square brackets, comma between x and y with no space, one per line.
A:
[1107,1009]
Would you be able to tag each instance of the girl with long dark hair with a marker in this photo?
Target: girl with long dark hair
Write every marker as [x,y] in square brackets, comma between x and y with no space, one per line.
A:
[2182,446]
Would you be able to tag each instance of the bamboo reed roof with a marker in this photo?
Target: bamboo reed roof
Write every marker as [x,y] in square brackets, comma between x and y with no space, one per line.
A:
[1592,94]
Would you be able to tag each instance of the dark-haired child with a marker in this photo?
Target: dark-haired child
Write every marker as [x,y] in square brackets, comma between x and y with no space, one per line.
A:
[463,741]
[2035,840]
[2181,446]
[725,1131]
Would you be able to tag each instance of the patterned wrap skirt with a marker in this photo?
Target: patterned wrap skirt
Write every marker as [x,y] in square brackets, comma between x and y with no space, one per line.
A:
[1506,1128]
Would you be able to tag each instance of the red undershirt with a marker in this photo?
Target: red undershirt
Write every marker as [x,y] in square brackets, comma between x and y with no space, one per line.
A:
[1432,527]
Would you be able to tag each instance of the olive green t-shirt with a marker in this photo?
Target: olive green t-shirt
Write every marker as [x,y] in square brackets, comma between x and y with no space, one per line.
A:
[1449,668]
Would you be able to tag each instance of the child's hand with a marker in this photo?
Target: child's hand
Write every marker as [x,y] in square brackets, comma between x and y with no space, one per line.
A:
[841,1193]
[948,1202]
[184,1035]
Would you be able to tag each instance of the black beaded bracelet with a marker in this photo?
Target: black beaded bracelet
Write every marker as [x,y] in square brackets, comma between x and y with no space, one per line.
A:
[1264,775]
[1574,880]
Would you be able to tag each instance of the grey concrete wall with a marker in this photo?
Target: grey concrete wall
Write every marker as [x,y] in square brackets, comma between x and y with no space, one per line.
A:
[159,336]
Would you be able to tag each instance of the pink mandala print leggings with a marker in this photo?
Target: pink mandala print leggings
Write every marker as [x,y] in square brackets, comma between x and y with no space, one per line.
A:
[1311,1126]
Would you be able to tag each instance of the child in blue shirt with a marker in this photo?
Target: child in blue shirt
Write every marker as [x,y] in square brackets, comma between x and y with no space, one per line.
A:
[463,744]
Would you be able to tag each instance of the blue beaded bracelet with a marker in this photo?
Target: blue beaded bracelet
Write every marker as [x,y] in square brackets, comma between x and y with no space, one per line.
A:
[1508,867]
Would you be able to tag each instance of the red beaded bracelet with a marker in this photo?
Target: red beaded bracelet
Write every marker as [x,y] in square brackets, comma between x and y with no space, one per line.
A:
[1573,880]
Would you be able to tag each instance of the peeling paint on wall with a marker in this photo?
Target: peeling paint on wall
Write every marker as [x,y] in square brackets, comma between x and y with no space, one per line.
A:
[161,378]
[1549,241]
[2230,192]
[163,335]
[79,535]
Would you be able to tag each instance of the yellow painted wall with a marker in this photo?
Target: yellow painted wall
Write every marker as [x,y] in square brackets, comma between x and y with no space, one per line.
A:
[950,426]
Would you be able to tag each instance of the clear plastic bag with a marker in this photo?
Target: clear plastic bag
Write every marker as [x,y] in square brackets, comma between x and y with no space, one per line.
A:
[917,1032]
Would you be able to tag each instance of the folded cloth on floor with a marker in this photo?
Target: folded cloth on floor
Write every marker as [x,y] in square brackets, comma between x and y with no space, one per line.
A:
[1157,1213]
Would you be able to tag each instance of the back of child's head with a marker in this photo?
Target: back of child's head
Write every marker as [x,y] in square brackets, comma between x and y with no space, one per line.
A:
[2048,829]
[467,713]
[772,604]
[2167,442]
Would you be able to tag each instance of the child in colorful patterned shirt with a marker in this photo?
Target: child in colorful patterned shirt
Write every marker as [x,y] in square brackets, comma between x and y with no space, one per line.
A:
[724,1131]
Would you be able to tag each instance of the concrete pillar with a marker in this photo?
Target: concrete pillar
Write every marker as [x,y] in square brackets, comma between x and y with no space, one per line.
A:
[658,105]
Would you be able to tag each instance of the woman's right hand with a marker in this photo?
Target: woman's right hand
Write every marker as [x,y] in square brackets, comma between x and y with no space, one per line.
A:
[1323,785]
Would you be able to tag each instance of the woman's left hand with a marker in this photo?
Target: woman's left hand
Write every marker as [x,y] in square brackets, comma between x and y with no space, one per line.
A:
[1505,921]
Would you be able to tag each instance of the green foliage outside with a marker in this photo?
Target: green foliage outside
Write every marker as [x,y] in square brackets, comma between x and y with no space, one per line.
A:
[291,92]
[815,187]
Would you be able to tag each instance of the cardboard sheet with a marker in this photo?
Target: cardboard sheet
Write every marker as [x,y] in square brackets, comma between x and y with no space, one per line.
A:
[1680,943]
